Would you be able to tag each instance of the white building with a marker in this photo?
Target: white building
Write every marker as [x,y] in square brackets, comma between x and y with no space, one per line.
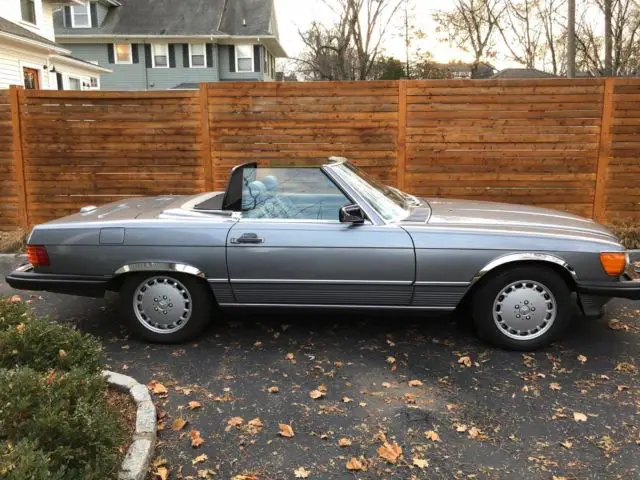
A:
[29,55]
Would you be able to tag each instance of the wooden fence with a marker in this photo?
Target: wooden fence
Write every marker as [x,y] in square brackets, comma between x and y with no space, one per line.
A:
[568,144]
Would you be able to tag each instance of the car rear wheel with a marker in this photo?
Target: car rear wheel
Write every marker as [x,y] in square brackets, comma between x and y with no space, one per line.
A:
[523,308]
[165,308]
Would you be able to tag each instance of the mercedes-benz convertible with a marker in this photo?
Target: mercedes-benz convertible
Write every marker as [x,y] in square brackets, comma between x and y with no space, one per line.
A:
[330,237]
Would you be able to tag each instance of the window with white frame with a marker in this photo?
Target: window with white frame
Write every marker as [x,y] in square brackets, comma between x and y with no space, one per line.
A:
[74,83]
[123,52]
[197,55]
[94,82]
[244,58]
[160,55]
[81,16]
[28,11]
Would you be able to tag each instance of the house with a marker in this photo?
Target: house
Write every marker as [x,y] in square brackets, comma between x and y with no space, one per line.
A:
[464,71]
[523,73]
[29,54]
[166,44]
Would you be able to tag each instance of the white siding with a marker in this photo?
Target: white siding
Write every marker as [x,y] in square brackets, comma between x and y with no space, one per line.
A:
[73,71]
[13,58]
[44,16]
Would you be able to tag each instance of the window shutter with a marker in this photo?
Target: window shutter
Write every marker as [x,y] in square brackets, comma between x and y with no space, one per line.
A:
[172,55]
[94,14]
[135,58]
[209,52]
[111,53]
[67,17]
[185,55]
[147,55]
[59,80]
[232,58]
[256,58]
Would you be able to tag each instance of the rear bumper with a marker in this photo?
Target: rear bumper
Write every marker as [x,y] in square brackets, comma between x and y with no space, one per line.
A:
[24,278]
[624,289]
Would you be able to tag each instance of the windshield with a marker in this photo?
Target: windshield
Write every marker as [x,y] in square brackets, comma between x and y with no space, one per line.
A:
[390,203]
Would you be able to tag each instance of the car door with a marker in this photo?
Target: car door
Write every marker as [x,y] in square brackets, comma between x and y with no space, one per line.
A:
[299,253]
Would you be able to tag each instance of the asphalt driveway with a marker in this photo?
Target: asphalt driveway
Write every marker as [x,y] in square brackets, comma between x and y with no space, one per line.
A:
[453,406]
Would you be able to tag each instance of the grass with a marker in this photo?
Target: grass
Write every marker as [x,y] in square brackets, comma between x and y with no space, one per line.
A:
[13,241]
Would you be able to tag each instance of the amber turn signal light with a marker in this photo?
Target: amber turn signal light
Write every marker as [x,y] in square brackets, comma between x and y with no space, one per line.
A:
[37,255]
[613,263]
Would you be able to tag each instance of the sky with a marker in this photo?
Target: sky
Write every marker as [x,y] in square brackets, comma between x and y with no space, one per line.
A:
[294,14]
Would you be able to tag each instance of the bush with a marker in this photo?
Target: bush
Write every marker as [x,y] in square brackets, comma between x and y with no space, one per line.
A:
[55,423]
[628,232]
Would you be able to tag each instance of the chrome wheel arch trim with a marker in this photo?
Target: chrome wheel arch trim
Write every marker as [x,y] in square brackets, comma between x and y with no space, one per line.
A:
[527,257]
[160,267]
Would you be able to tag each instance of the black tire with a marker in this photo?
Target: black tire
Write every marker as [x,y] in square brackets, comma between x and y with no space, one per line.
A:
[486,296]
[202,305]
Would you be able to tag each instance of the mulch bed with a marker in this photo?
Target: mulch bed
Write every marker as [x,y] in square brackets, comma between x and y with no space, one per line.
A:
[126,408]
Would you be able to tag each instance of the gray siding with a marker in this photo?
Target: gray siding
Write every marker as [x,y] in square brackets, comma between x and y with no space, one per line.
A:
[226,74]
[137,76]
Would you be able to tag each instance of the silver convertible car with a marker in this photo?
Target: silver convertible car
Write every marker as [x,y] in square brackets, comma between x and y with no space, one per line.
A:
[330,237]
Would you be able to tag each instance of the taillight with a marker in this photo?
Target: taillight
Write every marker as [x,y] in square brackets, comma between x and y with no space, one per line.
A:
[37,255]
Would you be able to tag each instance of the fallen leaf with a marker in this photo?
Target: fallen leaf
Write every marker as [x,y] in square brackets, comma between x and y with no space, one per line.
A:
[617,325]
[200,459]
[555,386]
[582,359]
[567,444]
[233,422]
[194,404]
[433,436]
[461,428]
[206,473]
[273,389]
[196,439]
[178,424]
[62,354]
[346,400]
[258,344]
[625,367]
[354,464]
[255,425]
[391,360]
[415,383]
[316,394]
[344,442]
[302,472]
[20,328]
[158,388]
[559,477]
[420,463]
[579,417]
[290,356]
[465,361]
[386,384]
[390,452]
[14,299]
[158,462]
[474,433]
[286,430]
[162,473]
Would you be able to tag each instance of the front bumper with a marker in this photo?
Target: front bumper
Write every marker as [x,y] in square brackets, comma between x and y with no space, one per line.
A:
[623,289]
[24,278]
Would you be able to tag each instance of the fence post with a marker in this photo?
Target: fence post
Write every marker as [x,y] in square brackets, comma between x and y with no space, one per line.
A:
[402,134]
[207,161]
[16,95]
[604,151]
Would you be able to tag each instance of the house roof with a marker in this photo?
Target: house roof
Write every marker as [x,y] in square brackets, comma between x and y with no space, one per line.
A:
[79,61]
[180,18]
[522,73]
[13,29]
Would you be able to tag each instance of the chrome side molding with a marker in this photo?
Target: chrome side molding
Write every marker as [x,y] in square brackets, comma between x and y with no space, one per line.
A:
[523,256]
[160,267]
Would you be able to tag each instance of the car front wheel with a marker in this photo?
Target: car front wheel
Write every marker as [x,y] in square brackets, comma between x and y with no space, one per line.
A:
[523,308]
[165,308]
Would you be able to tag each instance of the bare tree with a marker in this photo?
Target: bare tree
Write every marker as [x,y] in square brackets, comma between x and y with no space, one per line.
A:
[349,48]
[522,28]
[472,25]
[555,35]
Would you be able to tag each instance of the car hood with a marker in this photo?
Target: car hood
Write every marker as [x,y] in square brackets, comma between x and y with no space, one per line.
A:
[503,216]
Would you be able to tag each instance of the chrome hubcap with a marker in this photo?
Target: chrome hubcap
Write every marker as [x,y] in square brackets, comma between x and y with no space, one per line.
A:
[162,304]
[524,310]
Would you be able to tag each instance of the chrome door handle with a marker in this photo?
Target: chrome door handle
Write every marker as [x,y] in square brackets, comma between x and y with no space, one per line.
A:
[251,238]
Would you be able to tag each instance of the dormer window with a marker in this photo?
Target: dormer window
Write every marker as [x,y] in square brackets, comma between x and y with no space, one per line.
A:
[81,16]
[28,10]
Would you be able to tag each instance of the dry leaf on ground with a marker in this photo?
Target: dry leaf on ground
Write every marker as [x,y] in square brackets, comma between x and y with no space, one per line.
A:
[286,430]
[196,439]
[390,452]
[391,360]
[193,405]
[465,361]
[273,389]
[200,459]
[290,356]
[415,383]
[347,400]
[567,444]
[254,426]
[14,299]
[344,442]
[555,386]
[579,417]
[420,463]
[157,388]
[316,394]
[433,436]
[62,354]
[162,473]
[461,428]
[302,472]
[474,433]
[233,422]
[178,424]
[626,367]
[354,464]
[582,359]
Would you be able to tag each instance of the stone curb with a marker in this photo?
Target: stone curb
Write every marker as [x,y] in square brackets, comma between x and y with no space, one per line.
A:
[140,453]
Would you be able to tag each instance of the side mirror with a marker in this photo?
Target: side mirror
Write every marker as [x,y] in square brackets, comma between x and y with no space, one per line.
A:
[351,214]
